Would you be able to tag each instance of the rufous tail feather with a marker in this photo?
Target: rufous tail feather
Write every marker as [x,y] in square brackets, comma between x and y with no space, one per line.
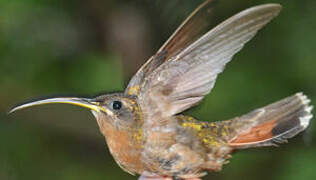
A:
[274,123]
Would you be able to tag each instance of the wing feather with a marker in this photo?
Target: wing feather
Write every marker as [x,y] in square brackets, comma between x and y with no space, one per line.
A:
[191,74]
[190,30]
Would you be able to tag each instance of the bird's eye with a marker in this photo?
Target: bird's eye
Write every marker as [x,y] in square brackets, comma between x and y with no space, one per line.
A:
[116,105]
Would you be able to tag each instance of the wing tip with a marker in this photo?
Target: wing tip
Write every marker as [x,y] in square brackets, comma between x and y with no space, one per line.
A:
[272,8]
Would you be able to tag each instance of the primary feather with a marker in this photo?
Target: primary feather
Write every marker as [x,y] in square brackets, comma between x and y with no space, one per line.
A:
[193,27]
[184,80]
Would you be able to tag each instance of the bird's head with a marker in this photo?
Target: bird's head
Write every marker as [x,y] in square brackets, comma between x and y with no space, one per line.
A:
[117,110]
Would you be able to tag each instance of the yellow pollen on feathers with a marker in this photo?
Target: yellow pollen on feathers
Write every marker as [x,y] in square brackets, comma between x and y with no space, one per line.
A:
[133,90]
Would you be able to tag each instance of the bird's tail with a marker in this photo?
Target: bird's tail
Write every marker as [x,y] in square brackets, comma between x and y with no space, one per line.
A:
[271,124]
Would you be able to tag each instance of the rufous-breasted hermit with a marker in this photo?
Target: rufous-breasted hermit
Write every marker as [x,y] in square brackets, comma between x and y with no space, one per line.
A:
[143,126]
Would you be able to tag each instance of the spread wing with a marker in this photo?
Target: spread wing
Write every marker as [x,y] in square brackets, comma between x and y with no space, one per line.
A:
[189,31]
[186,78]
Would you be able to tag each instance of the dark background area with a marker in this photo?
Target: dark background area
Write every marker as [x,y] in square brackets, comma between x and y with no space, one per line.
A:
[84,48]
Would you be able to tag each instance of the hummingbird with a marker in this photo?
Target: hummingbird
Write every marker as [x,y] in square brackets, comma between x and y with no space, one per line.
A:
[144,126]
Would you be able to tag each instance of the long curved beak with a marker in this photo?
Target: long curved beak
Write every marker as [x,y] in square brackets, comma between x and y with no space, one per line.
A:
[83,102]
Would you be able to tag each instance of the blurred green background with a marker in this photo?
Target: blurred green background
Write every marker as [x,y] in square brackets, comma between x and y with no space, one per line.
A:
[57,47]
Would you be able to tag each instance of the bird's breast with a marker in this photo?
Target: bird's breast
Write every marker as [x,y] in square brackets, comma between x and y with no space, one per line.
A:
[125,149]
